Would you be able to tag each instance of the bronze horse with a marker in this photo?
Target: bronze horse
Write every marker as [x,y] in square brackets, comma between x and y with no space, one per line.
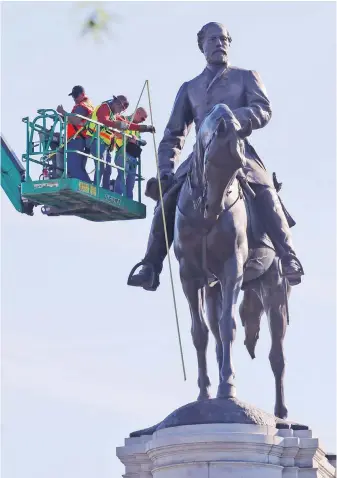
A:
[219,253]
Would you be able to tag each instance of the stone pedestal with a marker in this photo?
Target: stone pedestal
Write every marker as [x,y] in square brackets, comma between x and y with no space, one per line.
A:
[225,450]
[224,438]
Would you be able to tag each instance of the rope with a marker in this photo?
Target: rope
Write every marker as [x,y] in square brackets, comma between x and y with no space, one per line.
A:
[166,238]
[140,97]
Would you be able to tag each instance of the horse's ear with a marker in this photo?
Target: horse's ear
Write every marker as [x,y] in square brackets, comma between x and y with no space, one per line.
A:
[246,130]
[221,126]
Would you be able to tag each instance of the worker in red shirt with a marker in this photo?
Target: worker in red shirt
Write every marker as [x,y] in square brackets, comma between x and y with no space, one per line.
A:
[107,114]
[76,134]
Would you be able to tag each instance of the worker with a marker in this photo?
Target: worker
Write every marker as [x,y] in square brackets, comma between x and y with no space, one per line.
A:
[132,155]
[76,133]
[107,114]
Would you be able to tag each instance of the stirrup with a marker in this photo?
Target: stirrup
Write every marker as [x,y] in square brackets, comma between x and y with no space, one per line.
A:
[152,278]
[295,278]
[296,259]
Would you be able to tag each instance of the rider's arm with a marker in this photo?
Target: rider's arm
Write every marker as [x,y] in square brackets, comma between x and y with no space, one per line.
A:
[258,108]
[103,116]
[176,131]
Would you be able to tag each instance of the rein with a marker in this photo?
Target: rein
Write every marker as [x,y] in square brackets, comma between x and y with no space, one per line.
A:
[197,202]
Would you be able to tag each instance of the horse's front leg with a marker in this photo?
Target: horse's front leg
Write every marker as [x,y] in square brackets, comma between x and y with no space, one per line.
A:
[214,308]
[231,281]
[195,296]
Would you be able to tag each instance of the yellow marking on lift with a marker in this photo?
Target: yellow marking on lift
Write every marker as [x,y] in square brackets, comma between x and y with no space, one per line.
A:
[87,188]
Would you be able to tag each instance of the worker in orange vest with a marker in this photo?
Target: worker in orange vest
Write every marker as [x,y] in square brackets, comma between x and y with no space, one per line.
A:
[108,114]
[76,133]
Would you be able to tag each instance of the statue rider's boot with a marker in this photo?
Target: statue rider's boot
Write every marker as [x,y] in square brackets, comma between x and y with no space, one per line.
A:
[270,209]
[152,264]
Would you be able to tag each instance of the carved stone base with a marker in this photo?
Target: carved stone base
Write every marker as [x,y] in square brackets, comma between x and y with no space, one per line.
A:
[225,450]
[224,438]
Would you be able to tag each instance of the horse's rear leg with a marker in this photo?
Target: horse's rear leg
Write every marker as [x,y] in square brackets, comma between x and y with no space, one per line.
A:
[213,307]
[195,296]
[251,310]
[274,302]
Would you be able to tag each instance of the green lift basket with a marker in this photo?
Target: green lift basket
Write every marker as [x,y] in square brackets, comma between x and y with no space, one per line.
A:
[45,180]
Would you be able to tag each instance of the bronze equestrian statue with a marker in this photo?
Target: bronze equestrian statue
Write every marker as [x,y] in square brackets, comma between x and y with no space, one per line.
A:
[244,93]
[224,214]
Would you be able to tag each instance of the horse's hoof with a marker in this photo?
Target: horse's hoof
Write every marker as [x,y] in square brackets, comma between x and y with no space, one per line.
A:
[226,390]
[281,411]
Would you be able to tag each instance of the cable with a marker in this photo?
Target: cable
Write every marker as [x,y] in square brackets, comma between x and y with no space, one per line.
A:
[166,238]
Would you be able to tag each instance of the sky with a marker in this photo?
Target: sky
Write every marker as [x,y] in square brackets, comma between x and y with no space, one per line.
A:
[85,358]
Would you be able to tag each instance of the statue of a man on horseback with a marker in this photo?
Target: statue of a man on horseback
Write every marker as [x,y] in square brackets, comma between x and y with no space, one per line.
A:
[244,94]
[222,211]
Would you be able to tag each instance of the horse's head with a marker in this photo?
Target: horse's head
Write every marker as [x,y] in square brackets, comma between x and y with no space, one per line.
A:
[222,148]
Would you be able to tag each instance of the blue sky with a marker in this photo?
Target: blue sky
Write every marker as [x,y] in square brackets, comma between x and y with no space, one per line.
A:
[85,359]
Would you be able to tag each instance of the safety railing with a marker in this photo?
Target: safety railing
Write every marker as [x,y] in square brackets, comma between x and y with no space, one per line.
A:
[51,149]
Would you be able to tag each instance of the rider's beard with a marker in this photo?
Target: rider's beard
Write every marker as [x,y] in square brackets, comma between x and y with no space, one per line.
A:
[216,61]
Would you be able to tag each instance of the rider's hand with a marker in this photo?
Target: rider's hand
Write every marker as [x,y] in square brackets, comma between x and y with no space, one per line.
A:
[166,180]
[142,142]
[152,186]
